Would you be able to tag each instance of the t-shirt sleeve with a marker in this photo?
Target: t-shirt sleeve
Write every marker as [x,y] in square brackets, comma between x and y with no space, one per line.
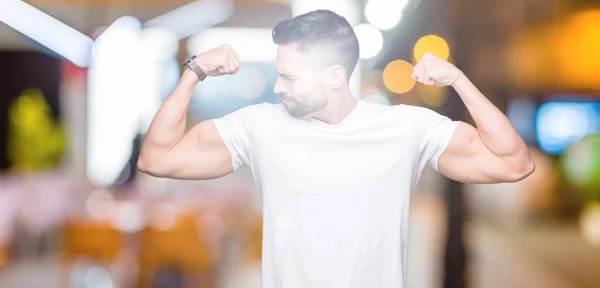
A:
[433,133]
[234,129]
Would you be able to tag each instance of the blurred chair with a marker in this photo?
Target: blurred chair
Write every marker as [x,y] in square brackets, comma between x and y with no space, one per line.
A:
[178,247]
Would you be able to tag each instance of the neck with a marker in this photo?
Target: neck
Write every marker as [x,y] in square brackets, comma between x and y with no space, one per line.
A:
[339,107]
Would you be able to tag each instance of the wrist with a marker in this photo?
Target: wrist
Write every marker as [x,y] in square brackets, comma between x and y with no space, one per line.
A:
[461,80]
[190,76]
[194,66]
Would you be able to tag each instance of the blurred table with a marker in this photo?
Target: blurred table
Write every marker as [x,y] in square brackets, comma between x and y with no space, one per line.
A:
[548,255]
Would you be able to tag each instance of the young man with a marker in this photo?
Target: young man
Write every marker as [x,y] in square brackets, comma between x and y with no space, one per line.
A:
[334,173]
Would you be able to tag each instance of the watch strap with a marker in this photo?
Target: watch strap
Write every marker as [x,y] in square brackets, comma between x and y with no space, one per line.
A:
[192,65]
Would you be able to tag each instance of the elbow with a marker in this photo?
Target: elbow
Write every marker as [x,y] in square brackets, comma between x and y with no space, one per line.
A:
[523,170]
[149,167]
[143,166]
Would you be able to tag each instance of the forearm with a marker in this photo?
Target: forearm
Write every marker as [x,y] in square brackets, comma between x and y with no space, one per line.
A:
[494,128]
[169,123]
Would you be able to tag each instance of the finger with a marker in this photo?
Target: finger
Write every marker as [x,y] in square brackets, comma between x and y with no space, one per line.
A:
[227,47]
[414,73]
[231,64]
[221,70]
[231,51]
[236,61]
[226,63]
[237,57]
[422,76]
[417,70]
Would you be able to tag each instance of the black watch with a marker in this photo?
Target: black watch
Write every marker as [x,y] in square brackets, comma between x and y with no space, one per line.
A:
[192,65]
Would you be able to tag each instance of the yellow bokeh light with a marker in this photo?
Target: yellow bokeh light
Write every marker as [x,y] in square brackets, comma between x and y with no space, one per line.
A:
[433,96]
[578,48]
[35,139]
[397,76]
[589,223]
[433,44]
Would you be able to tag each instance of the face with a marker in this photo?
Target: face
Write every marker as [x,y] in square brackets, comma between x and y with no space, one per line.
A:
[301,84]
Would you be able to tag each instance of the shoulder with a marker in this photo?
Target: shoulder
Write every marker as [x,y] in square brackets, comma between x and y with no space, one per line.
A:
[413,110]
[418,115]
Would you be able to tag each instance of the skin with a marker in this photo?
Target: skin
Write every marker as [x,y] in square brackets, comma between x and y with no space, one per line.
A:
[491,153]
[310,90]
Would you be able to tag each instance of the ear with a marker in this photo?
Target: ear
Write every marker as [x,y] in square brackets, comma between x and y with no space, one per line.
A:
[337,77]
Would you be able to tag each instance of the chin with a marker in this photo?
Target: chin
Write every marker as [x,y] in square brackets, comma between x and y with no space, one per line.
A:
[296,114]
[298,110]
[300,114]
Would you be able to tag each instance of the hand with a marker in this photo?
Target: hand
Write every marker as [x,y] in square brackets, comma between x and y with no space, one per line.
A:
[219,61]
[432,70]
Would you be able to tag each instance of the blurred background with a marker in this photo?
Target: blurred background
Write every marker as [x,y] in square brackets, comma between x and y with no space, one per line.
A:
[80,81]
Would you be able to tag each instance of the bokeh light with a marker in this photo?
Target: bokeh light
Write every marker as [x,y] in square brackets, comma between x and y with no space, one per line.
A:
[384,14]
[433,96]
[578,50]
[164,216]
[561,123]
[541,186]
[98,277]
[589,223]
[521,113]
[397,76]
[370,40]
[128,217]
[100,204]
[35,140]
[347,9]
[433,44]
[581,163]
[562,55]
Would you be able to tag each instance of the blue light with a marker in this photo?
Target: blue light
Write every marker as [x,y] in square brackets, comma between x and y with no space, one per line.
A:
[561,123]
[522,113]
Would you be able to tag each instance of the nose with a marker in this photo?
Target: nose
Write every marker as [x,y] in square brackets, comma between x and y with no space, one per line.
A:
[278,89]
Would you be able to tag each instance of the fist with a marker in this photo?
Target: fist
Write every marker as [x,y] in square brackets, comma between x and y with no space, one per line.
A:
[219,61]
[432,70]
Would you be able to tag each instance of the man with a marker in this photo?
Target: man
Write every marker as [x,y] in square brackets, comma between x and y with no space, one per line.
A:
[334,173]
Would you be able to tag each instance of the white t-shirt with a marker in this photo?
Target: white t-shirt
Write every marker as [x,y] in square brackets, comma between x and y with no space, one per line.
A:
[335,198]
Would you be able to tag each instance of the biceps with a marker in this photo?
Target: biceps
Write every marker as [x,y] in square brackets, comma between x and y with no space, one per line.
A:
[200,155]
[468,160]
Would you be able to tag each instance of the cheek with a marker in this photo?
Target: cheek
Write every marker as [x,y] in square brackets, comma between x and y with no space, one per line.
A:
[297,87]
[307,87]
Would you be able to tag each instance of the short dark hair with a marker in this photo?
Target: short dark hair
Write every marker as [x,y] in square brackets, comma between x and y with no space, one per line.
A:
[321,30]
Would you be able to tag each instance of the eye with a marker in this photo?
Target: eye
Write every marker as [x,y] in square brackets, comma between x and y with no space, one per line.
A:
[286,77]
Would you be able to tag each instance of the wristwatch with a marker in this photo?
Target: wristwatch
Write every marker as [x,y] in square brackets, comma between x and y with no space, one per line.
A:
[192,65]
